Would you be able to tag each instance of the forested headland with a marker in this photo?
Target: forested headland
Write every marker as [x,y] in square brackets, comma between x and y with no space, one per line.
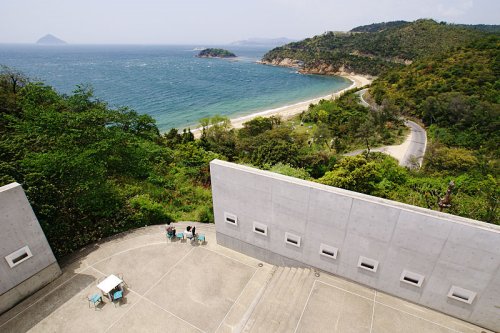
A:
[375,48]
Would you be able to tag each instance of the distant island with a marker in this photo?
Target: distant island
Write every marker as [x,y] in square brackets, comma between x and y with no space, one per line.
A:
[50,40]
[215,53]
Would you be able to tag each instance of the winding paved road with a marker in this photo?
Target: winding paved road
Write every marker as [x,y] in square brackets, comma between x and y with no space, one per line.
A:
[361,93]
[417,144]
[410,152]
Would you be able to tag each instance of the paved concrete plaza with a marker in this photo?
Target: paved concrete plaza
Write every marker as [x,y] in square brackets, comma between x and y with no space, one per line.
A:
[179,286]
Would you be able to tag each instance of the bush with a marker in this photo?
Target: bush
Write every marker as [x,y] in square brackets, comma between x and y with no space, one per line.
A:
[452,159]
[147,212]
[206,214]
[288,170]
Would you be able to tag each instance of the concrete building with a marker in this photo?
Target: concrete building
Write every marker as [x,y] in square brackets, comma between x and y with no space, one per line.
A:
[444,262]
[26,259]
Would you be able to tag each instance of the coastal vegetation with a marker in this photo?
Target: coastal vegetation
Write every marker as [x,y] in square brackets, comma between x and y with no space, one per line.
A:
[454,93]
[91,171]
[215,53]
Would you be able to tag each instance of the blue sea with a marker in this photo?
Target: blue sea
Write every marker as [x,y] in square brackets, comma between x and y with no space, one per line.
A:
[169,82]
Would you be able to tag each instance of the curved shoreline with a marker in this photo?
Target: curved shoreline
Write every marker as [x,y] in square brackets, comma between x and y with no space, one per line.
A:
[291,110]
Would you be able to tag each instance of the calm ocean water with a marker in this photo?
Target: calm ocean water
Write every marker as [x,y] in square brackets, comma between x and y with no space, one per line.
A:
[169,82]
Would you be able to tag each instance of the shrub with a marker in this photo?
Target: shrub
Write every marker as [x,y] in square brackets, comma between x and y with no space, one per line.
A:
[147,212]
[206,214]
[288,170]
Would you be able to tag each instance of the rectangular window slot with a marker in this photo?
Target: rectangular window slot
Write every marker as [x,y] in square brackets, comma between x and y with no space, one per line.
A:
[230,218]
[260,228]
[414,281]
[465,298]
[461,294]
[17,257]
[328,251]
[21,257]
[370,267]
[412,278]
[368,264]
[292,239]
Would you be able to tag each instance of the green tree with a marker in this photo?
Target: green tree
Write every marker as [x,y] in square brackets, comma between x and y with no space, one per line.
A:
[217,136]
[353,173]
[258,125]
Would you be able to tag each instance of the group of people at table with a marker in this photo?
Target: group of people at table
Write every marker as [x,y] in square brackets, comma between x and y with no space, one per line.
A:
[112,286]
[189,233]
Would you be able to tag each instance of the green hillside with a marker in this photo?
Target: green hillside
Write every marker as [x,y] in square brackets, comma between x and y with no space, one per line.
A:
[376,27]
[373,52]
[457,91]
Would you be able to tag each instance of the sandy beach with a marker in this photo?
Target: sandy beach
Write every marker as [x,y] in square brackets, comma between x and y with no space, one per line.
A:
[288,111]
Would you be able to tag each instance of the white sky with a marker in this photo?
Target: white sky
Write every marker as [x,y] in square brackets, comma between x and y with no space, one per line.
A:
[217,21]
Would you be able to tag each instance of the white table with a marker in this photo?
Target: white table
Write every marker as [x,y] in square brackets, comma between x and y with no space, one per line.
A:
[109,283]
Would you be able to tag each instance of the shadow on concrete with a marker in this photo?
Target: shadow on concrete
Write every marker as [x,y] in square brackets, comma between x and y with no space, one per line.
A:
[29,313]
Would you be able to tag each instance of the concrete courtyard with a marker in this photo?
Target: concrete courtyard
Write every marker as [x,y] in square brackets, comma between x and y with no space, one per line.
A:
[179,286]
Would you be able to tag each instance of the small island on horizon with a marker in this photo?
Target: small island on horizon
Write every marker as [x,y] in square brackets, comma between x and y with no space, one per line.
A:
[215,53]
[50,40]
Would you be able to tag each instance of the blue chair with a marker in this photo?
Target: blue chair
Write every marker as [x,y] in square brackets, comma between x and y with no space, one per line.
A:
[180,235]
[201,238]
[118,295]
[95,299]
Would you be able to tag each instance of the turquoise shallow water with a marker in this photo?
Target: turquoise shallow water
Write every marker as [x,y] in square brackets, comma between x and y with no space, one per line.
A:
[169,82]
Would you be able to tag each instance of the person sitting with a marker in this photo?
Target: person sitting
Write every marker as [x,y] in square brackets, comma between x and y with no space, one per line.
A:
[171,231]
[188,233]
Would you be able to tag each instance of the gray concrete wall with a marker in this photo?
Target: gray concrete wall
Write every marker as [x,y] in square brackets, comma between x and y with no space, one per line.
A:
[447,250]
[28,287]
[19,227]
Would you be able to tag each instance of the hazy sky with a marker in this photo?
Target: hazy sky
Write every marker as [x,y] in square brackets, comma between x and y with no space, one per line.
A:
[217,21]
